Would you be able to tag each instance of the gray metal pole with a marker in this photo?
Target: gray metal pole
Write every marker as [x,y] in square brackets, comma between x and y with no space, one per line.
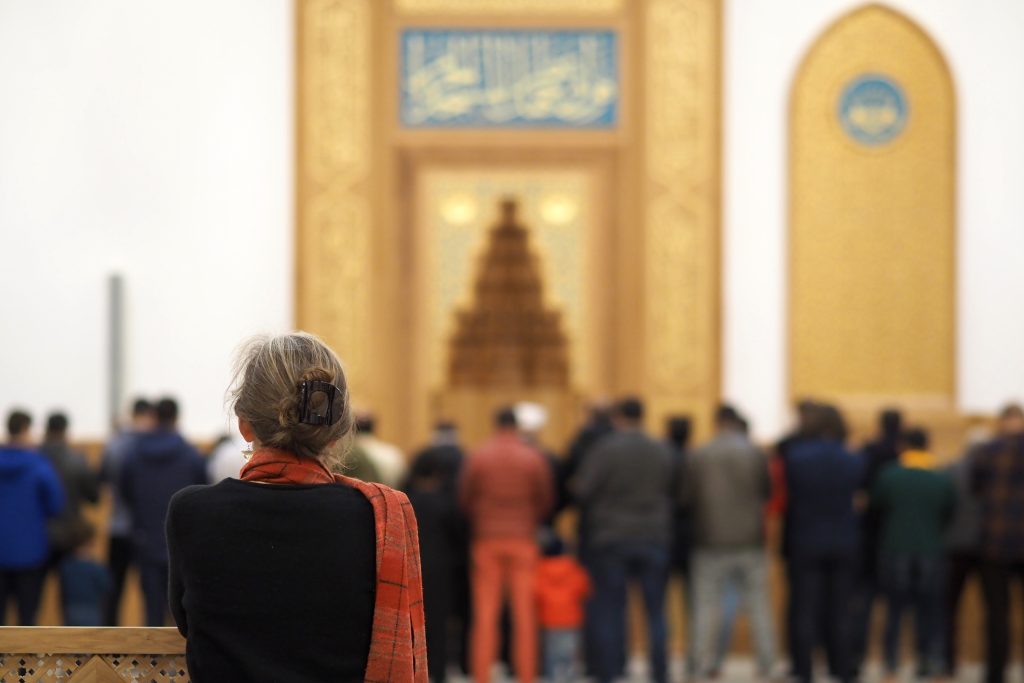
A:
[115,346]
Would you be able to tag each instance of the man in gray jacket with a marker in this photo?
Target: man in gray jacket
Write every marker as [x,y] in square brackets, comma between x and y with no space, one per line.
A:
[626,483]
[726,485]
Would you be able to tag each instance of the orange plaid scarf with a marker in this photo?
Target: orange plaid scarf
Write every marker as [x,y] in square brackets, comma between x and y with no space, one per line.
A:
[398,646]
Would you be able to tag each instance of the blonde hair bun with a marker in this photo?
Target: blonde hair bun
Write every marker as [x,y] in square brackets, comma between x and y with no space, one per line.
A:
[269,370]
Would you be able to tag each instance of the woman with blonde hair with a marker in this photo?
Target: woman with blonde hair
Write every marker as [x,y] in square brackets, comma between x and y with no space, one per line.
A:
[292,573]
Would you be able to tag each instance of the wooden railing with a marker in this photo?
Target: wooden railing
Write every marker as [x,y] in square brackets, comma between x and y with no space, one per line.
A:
[92,655]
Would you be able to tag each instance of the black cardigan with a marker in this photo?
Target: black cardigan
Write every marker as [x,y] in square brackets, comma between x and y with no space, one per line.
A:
[272,582]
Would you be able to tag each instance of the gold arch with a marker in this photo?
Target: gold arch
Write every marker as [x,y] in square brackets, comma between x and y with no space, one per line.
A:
[872,226]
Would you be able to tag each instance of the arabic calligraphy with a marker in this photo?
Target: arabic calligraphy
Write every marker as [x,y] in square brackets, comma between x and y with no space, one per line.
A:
[470,79]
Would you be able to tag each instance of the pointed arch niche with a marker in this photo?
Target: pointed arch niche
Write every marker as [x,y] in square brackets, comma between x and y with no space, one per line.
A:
[872,182]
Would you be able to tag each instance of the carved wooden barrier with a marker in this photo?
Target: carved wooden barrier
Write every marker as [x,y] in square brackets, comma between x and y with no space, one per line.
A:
[92,655]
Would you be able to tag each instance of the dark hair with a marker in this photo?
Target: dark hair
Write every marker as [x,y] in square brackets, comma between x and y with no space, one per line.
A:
[916,438]
[445,426]
[600,414]
[505,418]
[141,407]
[167,411]
[804,411]
[727,416]
[18,422]
[890,421]
[805,406]
[366,423]
[56,424]
[826,422]
[744,425]
[1011,410]
[630,408]
[678,428]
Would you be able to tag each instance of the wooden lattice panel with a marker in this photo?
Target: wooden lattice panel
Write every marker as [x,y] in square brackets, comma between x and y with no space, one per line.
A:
[85,668]
[84,655]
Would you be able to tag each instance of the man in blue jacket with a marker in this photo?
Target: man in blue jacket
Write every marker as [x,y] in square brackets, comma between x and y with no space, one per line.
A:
[30,494]
[159,464]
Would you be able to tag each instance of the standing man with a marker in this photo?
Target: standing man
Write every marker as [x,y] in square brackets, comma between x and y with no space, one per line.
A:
[822,481]
[997,475]
[726,485]
[505,492]
[159,464]
[597,425]
[119,549]
[431,486]
[30,495]
[915,503]
[878,454]
[626,483]
[80,483]
[963,545]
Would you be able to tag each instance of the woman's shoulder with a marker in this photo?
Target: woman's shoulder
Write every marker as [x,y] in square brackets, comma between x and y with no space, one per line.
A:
[228,491]
[189,498]
[231,498]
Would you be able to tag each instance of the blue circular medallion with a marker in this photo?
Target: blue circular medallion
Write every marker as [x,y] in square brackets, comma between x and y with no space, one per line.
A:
[873,109]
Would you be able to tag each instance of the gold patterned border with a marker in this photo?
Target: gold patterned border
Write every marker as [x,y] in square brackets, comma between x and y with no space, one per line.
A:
[681,198]
[334,217]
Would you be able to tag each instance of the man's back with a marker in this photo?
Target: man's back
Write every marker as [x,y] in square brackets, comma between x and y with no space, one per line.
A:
[506,488]
[626,482]
[822,479]
[81,484]
[998,480]
[160,464]
[915,506]
[30,492]
[727,483]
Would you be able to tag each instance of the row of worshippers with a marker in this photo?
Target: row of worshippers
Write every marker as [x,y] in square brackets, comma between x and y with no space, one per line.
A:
[45,488]
[885,523]
[882,521]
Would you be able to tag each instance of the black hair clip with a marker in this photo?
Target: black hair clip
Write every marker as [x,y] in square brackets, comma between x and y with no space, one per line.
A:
[306,413]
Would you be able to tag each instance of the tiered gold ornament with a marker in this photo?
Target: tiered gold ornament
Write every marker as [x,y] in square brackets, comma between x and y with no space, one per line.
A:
[508,338]
[507,346]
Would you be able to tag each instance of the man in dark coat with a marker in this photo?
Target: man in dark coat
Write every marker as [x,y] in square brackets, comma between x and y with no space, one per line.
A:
[160,464]
[432,489]
[877,454]
[997,477]
[80,482]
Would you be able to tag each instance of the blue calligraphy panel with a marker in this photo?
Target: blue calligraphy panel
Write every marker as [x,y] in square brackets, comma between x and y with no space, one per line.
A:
[509,79]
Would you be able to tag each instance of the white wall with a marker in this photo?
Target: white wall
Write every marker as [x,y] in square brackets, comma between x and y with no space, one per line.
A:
[152,139]
[983,41]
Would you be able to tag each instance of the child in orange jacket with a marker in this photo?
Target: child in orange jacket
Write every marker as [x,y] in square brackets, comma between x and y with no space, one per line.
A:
[561,587]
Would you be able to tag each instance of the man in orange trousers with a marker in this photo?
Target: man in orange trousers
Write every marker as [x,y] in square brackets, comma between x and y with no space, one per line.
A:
[506,490]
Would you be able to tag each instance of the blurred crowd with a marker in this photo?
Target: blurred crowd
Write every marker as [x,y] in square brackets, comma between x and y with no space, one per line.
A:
[509,577]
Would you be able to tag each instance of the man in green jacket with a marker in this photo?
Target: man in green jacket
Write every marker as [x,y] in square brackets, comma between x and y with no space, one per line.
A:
[915,502]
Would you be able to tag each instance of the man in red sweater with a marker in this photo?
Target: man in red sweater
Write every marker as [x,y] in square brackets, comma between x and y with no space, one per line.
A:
[506,490]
